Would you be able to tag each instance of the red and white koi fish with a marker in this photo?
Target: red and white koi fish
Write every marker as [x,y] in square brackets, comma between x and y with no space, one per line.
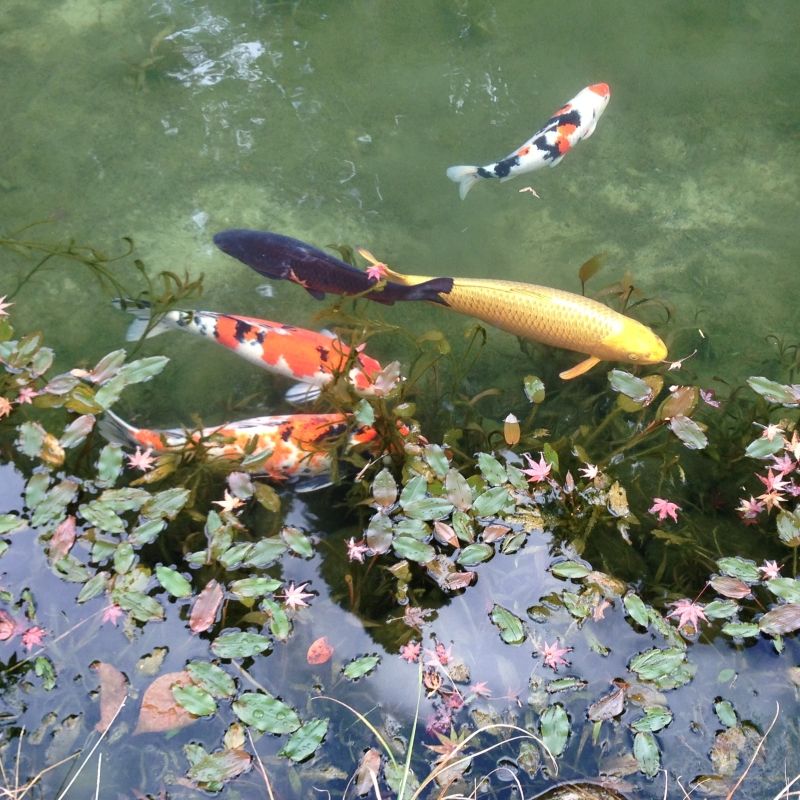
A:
[306,356]
[572,122]
[287,447]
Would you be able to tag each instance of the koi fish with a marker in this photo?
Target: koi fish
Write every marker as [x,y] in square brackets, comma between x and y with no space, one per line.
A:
[283,258]
[306,356]
[550,316]
[282,448]
[572,122]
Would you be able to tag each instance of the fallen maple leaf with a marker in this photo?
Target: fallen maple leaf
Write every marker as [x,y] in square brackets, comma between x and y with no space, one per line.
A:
[62,540]
[160,711]
[206,605]
[320,651]
[113,690]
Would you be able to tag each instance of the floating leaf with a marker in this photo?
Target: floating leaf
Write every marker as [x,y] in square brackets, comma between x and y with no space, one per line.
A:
[688,431]
[267,497]
[113,690]
[264,552]
[109,465]
[77,431]
[360,666]
[775,392]
[491,469]
[786,588]
[384,489]
[436,459]
[534,389]
[681,402]
[630,386]
[254,587]
[512,629]
[788,525]
[742,568]
[720,609]
[727,716]
[363,413]
[411,548]
[297,541]
[490,502]
[205,608]
[166,504]
[655,718]
[645,750]
[444,534]
[609,706]
[414,490]
[213,769]
[124,557]
[743,630]
[781,620]
[159,710]
[764,447]
[304,742]
[379,533]
[589,269]
[194,699]
[240,645]
[474,554]
[655,664]
[94,586]
[459,492]
[570,569]
[369,768]
[279,624]
[31,438]
[428,508]
[730,587]
[554,724]
[11,522]
[212,678]
[173,581]
[319,651]
[141,606]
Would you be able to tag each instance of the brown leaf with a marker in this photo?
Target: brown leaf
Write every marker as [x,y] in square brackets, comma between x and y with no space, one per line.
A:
[730,587]
[618,500]
[160,711]
[783,619]
[491,533]
[458,580]
[608,706]
[7,626]
[206,606]
[444,533]
[113,690]
[369,766]
[320,651]
[62,540]
[682,401]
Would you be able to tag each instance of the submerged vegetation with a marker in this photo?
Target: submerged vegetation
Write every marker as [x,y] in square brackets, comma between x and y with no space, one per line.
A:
[608,531]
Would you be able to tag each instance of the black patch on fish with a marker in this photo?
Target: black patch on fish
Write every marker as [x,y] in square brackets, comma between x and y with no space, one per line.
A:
[241,330]
[286,433]
[332,432]
[324,353]
[502,168]
[551,151]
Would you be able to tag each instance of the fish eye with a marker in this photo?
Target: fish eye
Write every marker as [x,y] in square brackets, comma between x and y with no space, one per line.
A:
[633,356]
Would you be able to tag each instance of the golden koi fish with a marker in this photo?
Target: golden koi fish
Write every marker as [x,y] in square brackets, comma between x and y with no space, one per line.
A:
[550,316]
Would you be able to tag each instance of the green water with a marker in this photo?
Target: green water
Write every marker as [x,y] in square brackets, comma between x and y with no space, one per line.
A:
[335,122]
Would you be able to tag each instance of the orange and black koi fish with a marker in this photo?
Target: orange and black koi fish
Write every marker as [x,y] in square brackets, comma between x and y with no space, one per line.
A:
[309,357]
[283,258]
[291,447]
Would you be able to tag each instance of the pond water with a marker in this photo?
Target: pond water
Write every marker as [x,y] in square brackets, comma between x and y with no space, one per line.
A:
[170,120]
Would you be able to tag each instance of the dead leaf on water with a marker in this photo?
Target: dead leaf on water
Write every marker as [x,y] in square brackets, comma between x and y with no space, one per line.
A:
[160,711]
[113,690]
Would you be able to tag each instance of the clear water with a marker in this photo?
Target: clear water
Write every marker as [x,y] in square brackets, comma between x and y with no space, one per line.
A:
[334,122]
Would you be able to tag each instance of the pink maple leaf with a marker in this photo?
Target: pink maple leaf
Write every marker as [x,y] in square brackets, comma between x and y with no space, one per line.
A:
[707,396]
[773,483]
[748,510]
[784,464]
[664,508]
[112,613]
[553,655]
[26,395]
[294,597]
[142,460]
[480,689]
[537,470]
[410,651]
[770,570]
[688,613]
[356,550]
[4,306]
[377,271]
[33,637]
[440,656]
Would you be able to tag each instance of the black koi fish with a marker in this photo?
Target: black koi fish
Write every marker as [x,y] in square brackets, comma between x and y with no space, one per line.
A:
[283,258]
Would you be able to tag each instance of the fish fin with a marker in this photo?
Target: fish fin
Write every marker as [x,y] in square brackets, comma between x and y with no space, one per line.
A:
[430,290]
[302,393]
[115,429]
[141,310]
[265,290]
[315,293]
[465,176]
[312,484]
[590,129]
[557,160]
[579,369]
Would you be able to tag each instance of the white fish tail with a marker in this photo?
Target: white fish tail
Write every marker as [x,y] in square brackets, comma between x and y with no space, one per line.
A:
[465,176]
[302,393]
[141,311]
[116,430]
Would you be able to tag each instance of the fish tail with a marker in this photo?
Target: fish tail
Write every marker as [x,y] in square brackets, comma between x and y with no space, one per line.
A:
[302,393]
[430,290]
[141,311]
[116,430]
[465,176]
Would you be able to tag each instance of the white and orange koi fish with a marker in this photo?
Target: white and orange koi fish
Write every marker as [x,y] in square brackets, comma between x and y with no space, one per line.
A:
[294,446]
[572,122]
[311,358]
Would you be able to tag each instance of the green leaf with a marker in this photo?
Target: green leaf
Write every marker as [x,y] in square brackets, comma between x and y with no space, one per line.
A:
[44,669]
[384,489]
[31,438]
[512,629]
[212,678]
[147,532]
[491,469]
[36,489]
[240,645]
[279,624]
[109,465]
[412,549]
[636,608]
[264,552]
[688,431]
[655,718]
[173,582]
[210,770]
[775,392]
[414,490]
[655,664]
[475,554]
[629,385]
[94,586]
[297,541]
[743,630]
[11,522]
[124,557]
[267,497]
[786,588]
[53,507]
[194,699]
[458,491]
[742,568]
[304,742]
[428,508]
[254,587]
[554,726]
[77,431]
[360,667]
[379,533]
[166,504]
[266,713]
[141,606]
[488,503]
[363,413]
[727,716]
[534,389]
[721,609]
[570,569]
[763,447]
[436,459]
[645,750]
[788,525]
